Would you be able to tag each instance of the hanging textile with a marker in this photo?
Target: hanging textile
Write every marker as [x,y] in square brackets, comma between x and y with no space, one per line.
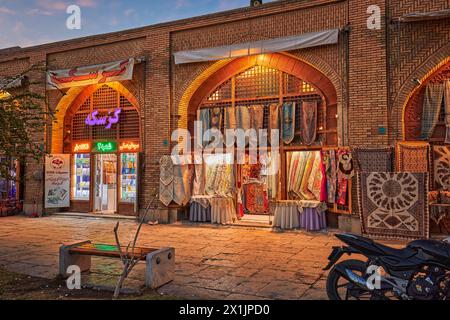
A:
[204,117]
[166,180]
[255,198]
[345,171]
[306,193]
[373,159]
[315,179]
[394,205]
[298,176]
[441,172]
[309,122]
[274,119]
[447,110]
[179,191]
[216,118]
[413,157]
[434,93]
[199,180]
[288,122]
[272,179]
[257,117]
[293,170]
[323,184]
[332,177]
[230,118]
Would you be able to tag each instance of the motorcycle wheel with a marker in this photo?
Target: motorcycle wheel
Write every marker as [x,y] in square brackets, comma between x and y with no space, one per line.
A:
[339,288]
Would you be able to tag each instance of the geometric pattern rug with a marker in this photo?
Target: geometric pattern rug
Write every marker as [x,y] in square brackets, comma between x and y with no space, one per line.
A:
[441,172]
[394,205]
[373,159]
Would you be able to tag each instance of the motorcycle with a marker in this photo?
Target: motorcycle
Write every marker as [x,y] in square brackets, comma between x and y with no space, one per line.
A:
[420,271]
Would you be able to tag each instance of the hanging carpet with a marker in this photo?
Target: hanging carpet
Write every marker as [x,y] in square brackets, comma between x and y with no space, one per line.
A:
[447,110]
[198,188]
[230,118]
[309,122]
[179,191]
[274,120]
[413,157]
[441,172]
[304,190]
[329,157]
[256,121]
[373,159]
[394,205]
[216,118]
[434,93]
[345,171]
[166,180]
[288,122]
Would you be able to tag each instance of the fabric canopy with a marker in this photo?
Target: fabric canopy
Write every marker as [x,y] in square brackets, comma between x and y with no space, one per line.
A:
[306,40]
[423,16]
[11,82]
[97,74]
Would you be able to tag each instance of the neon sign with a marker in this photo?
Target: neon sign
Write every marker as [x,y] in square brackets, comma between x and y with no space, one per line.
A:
[82,147]
[104,147]
[94,120]
[129,146]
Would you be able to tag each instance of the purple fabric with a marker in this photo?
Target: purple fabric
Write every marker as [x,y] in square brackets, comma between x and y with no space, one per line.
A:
[311,220]
[198,213]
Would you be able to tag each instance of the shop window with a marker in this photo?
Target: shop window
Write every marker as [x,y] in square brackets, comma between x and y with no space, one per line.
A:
[128,183]
[82,174]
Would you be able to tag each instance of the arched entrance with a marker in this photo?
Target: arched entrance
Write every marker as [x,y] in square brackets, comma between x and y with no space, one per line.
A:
[101,130]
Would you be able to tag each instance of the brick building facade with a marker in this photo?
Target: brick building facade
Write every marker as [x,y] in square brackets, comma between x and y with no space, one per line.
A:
[372,72]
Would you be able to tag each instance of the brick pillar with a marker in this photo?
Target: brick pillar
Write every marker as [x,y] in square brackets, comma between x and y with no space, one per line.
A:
[368,94]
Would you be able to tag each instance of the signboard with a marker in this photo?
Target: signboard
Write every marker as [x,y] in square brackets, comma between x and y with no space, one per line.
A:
[129,146]
[84,147]
[97,74]
[94,119]
[57,181]
[105,147]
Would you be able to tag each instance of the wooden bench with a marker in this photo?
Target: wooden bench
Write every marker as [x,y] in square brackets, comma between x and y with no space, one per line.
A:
[160,262]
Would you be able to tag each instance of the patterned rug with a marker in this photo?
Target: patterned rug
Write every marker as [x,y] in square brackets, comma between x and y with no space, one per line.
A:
[447,110]
[441,172]
[166,180]
[394,205]
[413,157]
[288,122]
[309,122]
[373,159]
[216,118]
[274,118]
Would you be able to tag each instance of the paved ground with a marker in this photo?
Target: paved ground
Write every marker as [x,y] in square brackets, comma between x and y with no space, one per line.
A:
[211,262]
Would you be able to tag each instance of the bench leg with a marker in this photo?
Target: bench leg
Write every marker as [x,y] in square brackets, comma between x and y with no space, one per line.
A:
[67,259]
[160,268]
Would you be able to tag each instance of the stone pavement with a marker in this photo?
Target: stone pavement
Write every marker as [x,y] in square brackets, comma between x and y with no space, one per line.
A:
[212,262]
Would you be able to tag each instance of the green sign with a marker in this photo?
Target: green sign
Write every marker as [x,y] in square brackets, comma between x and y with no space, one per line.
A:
[105,147]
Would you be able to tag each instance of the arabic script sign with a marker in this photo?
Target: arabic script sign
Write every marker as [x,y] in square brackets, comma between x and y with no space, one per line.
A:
[111,118]
[105,147]
[98,74]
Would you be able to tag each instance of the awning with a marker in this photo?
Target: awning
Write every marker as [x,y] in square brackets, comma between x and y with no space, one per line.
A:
[306,40]
[97,74]
[8,83]
[424,16]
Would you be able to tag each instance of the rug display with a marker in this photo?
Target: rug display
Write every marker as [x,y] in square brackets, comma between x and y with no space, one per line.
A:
[308,128]
[434,93]
[447,110]
[255,198]
[182,177]
[198,187]
[288,122]
[274,119]
[329,159]
[166,180]
[394,205]
[230,118]
[216,118]
[345,171]
[412,157]
[204,117]
[373,159]
[441,167]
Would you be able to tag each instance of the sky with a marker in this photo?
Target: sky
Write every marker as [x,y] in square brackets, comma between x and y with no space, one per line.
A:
[32,22]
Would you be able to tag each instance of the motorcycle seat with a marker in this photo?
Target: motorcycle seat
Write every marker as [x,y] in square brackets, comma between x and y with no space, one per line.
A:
[435,248]
[399,253]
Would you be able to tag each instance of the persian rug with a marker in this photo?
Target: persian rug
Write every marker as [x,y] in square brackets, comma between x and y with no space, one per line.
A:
[447,110]
[166,180]
[274,119]
[216,118]
[309,122]
[394,205]
[230,118]
[204,117]
[373,159]
[434,93]
[329,157]
[345,171]
[288,122]
[254,198]
[413,157]
[441,170]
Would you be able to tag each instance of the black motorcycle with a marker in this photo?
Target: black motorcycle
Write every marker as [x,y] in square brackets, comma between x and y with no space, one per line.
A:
[421,271]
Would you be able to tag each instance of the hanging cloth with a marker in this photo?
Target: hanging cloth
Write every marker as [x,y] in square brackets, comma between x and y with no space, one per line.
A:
[299,175]
[274,119]
[288,122]
[179,191]
[166,180]
[216,118]
[345,172]
[309,122]
[315,179]
[230,118]
[256,121]
[204,117]
[306,193]
[434,93]
[199,180]
[447,110]
[329,159]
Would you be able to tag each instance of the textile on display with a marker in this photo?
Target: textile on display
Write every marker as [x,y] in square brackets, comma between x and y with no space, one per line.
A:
[373,159]
[413,157]
[199,180]
[166,180]
[257,117]
[182,184]
[204,117]
[394,205]
[288,119]
[434,93]
[223,210]
[441,172]
[329,157]
[200,209]
[304,190]
[315,179]
[255,197]
[309,122]
[274,119]
[447,110]
[230,118]
[216,118]
[345,171]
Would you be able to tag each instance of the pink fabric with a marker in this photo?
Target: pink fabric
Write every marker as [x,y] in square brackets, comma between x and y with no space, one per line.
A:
[323,189]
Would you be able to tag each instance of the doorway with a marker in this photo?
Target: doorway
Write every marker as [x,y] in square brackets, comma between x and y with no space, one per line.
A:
[105,193]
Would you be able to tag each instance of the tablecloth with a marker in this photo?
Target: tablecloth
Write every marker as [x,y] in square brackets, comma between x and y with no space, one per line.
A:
[198,213]
[293,214]
[223,211]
